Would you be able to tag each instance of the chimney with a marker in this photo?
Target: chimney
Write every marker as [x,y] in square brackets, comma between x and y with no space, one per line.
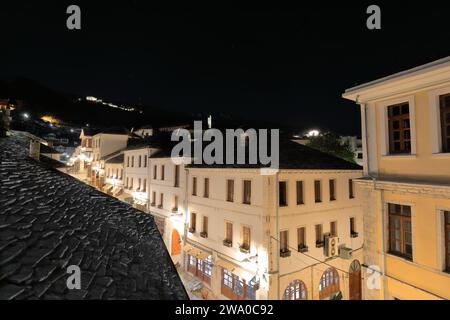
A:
[35,149]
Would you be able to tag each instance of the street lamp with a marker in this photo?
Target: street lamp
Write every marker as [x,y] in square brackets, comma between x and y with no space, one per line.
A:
[25,116]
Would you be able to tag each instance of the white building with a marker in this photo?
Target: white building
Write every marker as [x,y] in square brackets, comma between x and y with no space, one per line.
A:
[104,144]
[293,235]
[167,200]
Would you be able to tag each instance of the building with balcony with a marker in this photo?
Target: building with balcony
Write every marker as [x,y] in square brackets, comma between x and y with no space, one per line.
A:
[405,190]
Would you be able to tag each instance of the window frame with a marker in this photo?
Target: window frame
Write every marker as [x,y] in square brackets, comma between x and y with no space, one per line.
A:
[384,126]
[244,193]
[435,121]
[206,188]
[285,195]
[332,187]
[300,200]
[402,253]
[230,187]
[320,194]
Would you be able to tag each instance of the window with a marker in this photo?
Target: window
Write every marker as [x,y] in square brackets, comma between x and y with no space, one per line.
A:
[230,190]
[300,193]
[333,228]
[155,172]
[236,288]
[177,176]
[400,232]
[317,191]
[131,184]
[229,233]
[162,172]
[161,200]
[399,129]
[132,161]
[145,161]
[193,222]
[296,290]
[301,239]
[206,188]
[175,204]
[247,192]
[128,162]
[194,186]
[139,185]
[128,183]
[445,121]
[205,226]
[245,246]
[447,240]
[329,283]
[284,242]
[353,232]
[319,236]
[140,161]
[332,189]
[153,198]
[351,193]
[227,278]
[282,194]
[144,186]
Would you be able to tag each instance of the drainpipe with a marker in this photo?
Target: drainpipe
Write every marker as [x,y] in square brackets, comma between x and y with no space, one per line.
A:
[278,233]
[364,109]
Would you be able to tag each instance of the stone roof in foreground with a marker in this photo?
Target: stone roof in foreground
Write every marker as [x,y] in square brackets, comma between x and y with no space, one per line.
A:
[49,220]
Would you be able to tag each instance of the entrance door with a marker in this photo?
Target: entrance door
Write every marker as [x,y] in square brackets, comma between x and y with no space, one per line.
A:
[176,243]
[355,281]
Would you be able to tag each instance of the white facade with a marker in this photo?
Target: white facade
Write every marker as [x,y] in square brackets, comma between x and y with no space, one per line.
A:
[136,176]
[167,201]
[265,220]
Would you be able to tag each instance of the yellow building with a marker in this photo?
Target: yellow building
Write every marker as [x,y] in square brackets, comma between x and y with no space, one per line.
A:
[406,184]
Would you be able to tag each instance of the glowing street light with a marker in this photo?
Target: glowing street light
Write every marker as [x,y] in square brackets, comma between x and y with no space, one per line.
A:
[25,115]
[313,133]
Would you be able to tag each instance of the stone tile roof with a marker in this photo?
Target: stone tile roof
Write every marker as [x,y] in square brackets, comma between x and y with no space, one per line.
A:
[49,221]
[293,156]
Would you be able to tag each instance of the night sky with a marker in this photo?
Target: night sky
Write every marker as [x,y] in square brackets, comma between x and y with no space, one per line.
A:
[287,64]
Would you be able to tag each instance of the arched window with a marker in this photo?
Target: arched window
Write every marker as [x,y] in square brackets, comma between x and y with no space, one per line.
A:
[329,283]
[296,290]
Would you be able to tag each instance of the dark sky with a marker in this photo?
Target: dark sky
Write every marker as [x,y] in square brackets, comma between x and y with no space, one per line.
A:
[287,64]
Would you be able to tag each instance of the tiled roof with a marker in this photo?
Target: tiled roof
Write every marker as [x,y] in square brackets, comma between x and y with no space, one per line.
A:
[296,157]
[115,130]
[116,159]
[49,220]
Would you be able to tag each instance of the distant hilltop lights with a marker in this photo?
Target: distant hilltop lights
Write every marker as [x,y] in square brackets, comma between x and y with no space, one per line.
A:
[112,105]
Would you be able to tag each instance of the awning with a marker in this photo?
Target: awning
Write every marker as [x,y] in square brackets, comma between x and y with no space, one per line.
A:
[225,264]
[107,187]
[197,253]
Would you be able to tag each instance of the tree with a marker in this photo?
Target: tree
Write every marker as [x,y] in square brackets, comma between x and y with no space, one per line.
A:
[331,143]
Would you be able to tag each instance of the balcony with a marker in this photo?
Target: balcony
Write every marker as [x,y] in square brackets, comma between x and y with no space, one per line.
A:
[152,204]
[227,243]
[160,206]
[284,253]
[204,234]
[302,248]
[354,235]
[175,210]
[244,248]
[191,230]
[320,244]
